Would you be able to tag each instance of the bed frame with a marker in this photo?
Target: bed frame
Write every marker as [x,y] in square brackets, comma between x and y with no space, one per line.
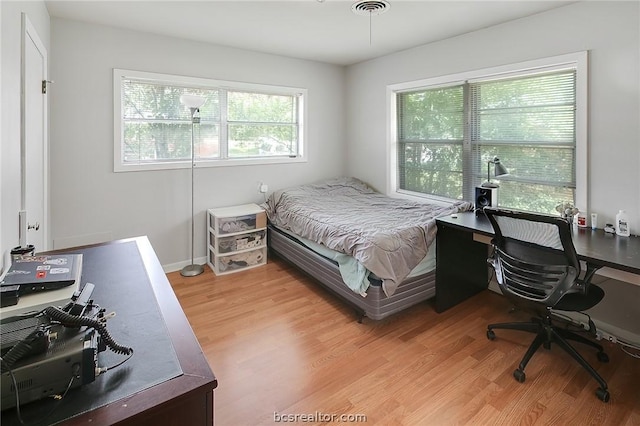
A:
[376,305]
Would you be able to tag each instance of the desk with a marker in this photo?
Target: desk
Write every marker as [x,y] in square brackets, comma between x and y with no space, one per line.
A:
[151,395]
[461,255]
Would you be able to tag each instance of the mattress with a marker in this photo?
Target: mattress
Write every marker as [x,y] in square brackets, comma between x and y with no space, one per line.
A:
[354,274]
[376,304]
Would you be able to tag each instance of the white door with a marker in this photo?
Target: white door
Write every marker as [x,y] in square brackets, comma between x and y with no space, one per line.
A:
[34,137]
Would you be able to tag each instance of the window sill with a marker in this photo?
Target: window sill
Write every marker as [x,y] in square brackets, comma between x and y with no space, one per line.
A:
[206,164]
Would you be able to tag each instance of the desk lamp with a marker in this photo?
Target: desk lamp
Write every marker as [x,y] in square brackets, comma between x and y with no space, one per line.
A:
[498,171]
[194,103]
[487,193]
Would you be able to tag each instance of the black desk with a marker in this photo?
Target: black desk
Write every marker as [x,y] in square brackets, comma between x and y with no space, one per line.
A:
[461,255]
[168,381]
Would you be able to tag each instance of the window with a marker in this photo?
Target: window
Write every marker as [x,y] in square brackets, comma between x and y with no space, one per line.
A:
[239,123]
[531,116]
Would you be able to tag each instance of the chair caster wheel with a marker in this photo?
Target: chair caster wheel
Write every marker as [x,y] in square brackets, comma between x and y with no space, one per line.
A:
[603,357]
[491,335]
[519,375]
[603,395]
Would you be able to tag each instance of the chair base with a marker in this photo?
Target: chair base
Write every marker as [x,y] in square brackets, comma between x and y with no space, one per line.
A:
[546,333]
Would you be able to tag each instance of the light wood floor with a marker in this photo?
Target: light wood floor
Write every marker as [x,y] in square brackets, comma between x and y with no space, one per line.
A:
[279,345]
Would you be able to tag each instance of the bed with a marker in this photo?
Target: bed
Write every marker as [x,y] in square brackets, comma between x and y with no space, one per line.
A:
[375,252]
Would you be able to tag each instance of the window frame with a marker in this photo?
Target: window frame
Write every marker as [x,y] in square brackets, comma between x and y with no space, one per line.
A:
[204,83]
[578,60]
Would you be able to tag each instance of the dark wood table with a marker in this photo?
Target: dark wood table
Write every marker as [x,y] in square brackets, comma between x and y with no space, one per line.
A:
[185,396]
[461,255]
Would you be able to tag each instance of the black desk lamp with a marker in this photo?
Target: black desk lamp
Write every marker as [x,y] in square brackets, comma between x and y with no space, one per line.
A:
[498,171]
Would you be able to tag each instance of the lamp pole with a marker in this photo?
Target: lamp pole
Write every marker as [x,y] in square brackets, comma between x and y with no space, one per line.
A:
[194,103]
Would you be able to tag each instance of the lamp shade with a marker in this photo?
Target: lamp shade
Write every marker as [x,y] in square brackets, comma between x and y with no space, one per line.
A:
[500,170]
[192,101]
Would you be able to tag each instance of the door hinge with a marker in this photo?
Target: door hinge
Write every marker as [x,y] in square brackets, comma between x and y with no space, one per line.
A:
[44,86]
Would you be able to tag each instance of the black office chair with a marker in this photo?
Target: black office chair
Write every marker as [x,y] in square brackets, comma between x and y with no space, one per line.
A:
[537,268]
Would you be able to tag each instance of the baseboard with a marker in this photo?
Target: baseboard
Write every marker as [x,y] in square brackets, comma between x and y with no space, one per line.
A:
[173,267]
[616,274]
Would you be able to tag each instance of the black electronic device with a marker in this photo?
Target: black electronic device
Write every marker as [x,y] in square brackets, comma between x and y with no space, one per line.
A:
[485,197]
[29,328]
[70,361]
[16,329]
[47,353]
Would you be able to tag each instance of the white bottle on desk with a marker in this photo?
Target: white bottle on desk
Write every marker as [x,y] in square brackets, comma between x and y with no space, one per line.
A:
[622,224]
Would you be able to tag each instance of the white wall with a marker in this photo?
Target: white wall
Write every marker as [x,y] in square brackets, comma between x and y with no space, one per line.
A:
[89,202]
[610,31]
[10,171]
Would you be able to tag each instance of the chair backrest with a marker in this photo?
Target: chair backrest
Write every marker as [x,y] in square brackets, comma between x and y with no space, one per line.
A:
[534,257]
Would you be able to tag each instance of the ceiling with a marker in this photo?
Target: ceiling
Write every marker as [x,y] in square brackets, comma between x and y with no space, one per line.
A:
[327,31]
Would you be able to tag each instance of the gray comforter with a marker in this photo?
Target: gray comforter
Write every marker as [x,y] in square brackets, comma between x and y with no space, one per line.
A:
[389,236]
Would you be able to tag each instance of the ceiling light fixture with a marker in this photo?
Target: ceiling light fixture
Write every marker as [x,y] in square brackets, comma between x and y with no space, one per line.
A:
[370,8]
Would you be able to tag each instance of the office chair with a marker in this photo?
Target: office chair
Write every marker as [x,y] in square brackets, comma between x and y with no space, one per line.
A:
[537,268]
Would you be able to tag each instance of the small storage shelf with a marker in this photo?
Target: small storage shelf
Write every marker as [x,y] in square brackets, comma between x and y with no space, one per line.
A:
[236,238]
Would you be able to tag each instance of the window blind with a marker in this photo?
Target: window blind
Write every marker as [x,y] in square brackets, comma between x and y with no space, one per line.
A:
[529,123]
[157,127]
[239,123]
[447,135]
[430,137]
[261,124]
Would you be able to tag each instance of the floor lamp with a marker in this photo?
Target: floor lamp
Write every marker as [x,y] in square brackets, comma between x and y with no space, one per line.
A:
[193,102]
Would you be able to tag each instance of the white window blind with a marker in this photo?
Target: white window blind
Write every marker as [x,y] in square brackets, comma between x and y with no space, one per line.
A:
[157,127]
[529,123]
[240,123]
[447,134]
[431,133]
[262,124]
